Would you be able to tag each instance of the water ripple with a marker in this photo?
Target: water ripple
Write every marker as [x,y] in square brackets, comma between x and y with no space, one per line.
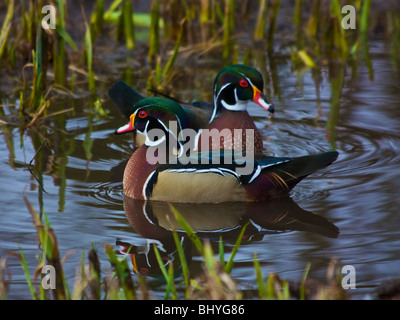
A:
[109,193]
[367,156]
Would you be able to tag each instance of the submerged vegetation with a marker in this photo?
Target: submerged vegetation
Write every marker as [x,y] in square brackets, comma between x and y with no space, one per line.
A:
[45,64]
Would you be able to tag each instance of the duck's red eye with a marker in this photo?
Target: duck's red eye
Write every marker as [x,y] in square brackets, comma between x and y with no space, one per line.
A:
[142,114]
[243,83]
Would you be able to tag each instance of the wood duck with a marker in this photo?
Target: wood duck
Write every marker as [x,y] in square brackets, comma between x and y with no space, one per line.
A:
[162,170]
[234,87]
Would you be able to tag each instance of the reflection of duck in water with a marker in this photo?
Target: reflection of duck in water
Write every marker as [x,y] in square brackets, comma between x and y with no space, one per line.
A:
[143,258]
[154,220]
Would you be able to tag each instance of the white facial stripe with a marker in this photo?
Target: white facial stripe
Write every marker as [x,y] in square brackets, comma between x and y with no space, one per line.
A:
[238,106]
[222,88]
[215,101]
[152,143]
[145,128]
[166,129]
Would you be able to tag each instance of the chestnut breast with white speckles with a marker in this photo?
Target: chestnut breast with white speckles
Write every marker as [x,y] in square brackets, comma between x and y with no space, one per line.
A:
[250,141]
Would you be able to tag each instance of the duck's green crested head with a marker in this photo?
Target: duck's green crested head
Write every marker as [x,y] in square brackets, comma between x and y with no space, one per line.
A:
[156,113]
[235,86]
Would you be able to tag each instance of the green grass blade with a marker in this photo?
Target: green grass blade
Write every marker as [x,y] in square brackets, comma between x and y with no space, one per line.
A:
[49,247]
[314,20]
[307,60]
[228,28]
[6,27]
[59,53]
[24,265]
[95,273]
[129,29]
[60,4]
[89,58]
[365,16]
[67,38]
[284,293]
[337,84]
[260,278]
[158,70]
[275,6]
[81,282]
[339,32]
[3,39]
[171,276]
[364,37]
[154,38]
[261,23]
[303,281]
[184,265]
[110,15]
[221,252]
[209,260]
[229,265]
[122,270]
[166,274]
[36,94]
[88,141]
[297,13]
[97,19]
[140,19]
[188,229]
[171,61]
[270,290]
[8,17]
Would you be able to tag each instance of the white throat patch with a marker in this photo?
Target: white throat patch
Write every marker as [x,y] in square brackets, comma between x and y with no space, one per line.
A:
[238,106]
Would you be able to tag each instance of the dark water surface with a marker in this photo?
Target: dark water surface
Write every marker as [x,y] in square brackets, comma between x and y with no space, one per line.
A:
[359,193]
